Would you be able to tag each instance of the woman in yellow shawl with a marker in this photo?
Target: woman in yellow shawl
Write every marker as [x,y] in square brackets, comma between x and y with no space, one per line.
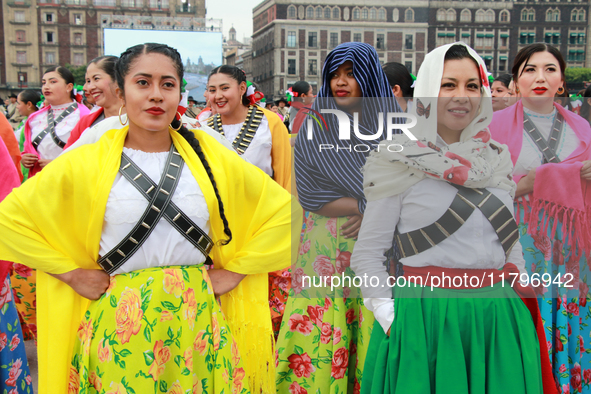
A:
[155,324]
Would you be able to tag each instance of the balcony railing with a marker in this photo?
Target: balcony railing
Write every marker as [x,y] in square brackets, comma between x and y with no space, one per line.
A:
[185,9]
[20,43]
[105,3]
[19,3]
[76,2]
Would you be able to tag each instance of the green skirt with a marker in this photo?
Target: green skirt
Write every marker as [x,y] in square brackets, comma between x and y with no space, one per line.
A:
[157,330]
[445,342]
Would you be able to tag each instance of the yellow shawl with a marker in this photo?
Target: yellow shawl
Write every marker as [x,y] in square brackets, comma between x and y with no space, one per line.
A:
[54,221]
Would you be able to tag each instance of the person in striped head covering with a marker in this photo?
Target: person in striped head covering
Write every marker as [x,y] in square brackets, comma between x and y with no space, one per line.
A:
[330,189]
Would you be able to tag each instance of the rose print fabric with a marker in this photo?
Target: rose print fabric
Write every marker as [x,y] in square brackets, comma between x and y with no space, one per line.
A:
[566,311]
[279,284]
[323,341]
[24,284]
[15,377]
[157,330]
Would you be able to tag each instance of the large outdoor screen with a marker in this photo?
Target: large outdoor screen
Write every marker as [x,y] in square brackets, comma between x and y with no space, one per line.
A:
[200,51]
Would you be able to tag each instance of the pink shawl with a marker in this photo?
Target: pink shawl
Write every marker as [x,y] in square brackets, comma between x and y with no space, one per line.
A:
[559,192]
[9,179]
[28,146]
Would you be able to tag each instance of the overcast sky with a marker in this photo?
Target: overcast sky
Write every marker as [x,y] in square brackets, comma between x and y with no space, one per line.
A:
[236,12]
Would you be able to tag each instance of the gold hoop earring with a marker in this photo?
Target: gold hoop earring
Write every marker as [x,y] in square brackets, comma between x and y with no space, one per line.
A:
[127,120]
[180,121]
[560,90]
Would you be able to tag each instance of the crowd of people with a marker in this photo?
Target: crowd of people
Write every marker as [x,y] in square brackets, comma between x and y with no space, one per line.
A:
[151,245]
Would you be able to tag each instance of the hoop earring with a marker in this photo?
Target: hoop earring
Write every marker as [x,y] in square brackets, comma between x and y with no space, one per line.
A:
[180,121]
[127,120]
[560,90]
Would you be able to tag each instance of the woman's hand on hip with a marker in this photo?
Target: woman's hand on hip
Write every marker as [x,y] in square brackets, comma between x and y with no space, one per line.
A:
[224,281]
[90,284]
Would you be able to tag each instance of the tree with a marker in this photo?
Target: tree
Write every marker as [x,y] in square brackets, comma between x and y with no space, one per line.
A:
[79,73]
[578,75]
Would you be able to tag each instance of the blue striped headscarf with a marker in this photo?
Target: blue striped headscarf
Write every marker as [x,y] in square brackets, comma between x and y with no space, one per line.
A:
[327,175]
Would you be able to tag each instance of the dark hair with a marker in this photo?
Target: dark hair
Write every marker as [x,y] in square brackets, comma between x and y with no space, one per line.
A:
[585,107]
[526,53]
[66,76]
[122,69]
[234,72]
[300,87]
[505,79]
[106,64]
[398,74]
[30,96]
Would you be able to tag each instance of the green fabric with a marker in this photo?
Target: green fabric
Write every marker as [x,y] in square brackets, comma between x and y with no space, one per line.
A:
[21,144]
[455,344]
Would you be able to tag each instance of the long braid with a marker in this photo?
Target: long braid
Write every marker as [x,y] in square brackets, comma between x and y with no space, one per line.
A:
[194,142]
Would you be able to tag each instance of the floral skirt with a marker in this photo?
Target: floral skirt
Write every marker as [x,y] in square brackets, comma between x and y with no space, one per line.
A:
[157,330]
[14,366]
[323,340]
[455,344]
[24,284]
[566,311]
[279,284]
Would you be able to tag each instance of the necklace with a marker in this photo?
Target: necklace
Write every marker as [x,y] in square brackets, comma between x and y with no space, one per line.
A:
[247,131]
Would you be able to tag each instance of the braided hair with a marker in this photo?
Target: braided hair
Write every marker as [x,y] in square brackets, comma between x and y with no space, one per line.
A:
[122,69]
[30,96]
[234,72]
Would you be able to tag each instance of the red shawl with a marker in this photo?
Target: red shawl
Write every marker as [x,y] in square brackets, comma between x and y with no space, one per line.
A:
[559,192]
[83,124]
[28,147]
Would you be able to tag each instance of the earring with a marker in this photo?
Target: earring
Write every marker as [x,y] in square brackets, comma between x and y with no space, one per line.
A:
[560,90]
[517,90]
[180,123]
[127,120]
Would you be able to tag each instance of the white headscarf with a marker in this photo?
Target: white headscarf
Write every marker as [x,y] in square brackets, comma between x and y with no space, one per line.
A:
[475,161]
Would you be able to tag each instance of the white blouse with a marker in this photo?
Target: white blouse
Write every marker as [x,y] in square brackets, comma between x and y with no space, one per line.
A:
[530,156]
[48,149]
[165,245]
[475,245]
[259,150]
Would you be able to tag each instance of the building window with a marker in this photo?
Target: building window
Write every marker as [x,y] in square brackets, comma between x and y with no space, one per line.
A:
[77,38]
[531,16]
[504,16]
[49,57]
[334,40]
[291,39]
[409,15]
[382,14]
[78,59]
[380,42]
[504,41]
[552,15]
[327,13]
[48,18]
[21,57]
[318,12]
[490,16]
[408,41]
[312,67]
[291,12]
[373,14]
[77,19]
[581,15]
[582,39]
[480,16]
[336,13]
[527,38]
[364,13]
[502,64]
[310,12]
[291,66]
[408,66]
[49,37]
[22,79]
[441,15]
[312,39]
[451,15]
[19,16]
[356,37]
[466,16]
[20,36]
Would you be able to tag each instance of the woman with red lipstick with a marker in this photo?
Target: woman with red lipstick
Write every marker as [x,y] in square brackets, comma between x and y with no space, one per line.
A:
[142,211]
[101,86]
[551,152]
[323,341]
[47,130]
[259,136]
[436,198]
